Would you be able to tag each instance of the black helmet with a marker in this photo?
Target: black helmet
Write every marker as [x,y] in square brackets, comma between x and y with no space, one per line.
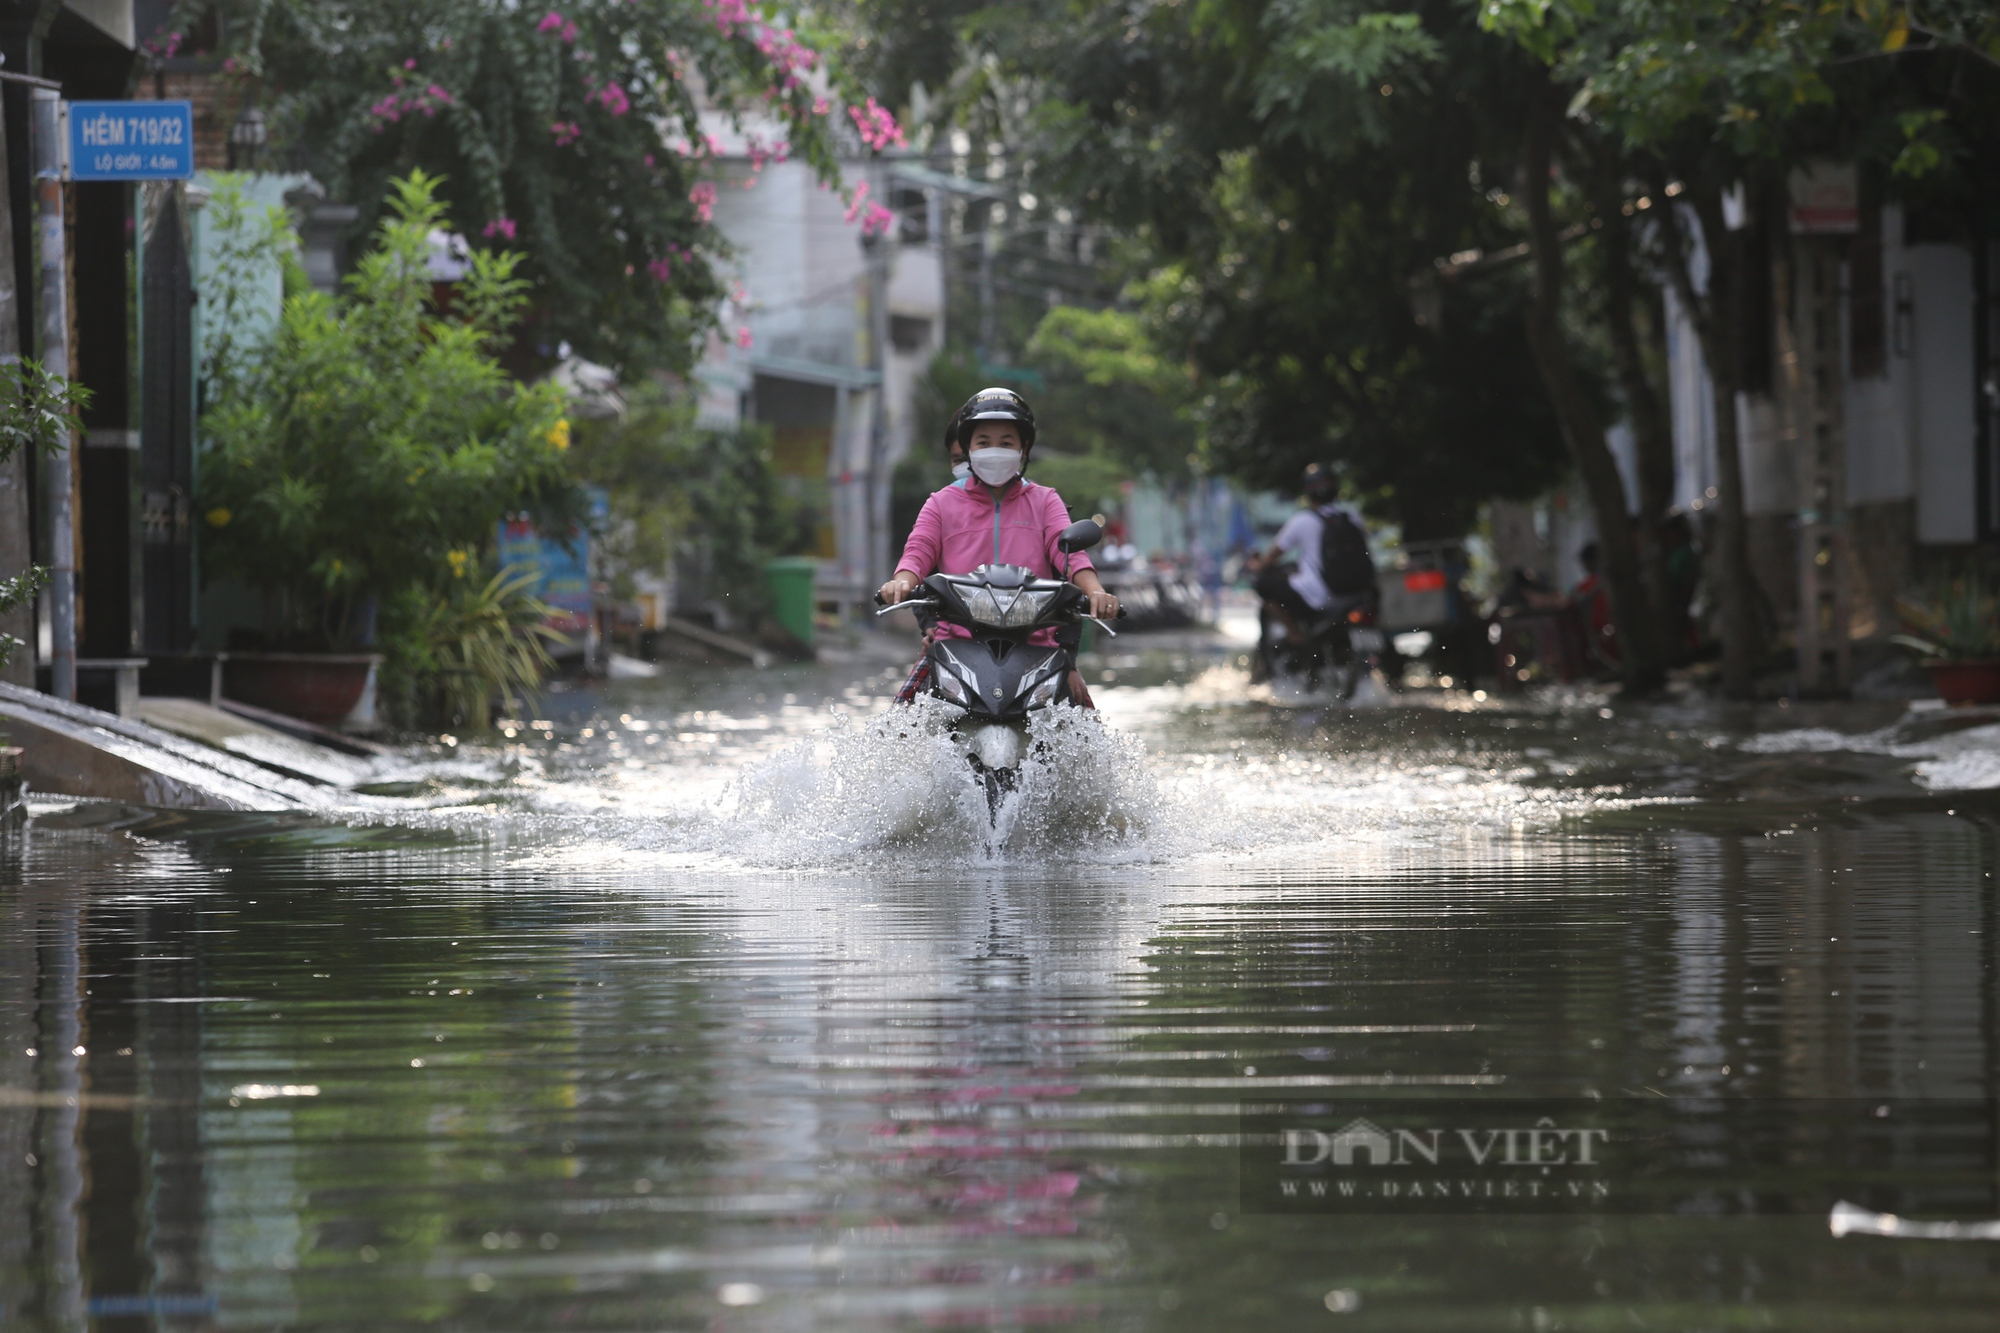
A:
[950,434]
[1319,482]
[997,405]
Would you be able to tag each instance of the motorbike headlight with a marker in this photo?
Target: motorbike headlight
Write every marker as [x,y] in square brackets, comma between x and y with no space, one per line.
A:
[950,686]
[981,605]
[1041,691]
[1028,607]
[1005,609]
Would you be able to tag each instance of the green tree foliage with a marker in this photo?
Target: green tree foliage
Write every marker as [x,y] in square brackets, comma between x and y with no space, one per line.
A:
[38,412]
[360,453]
[1282,172]
[570,132]
[1715,103]
[702,501]
[1111,392]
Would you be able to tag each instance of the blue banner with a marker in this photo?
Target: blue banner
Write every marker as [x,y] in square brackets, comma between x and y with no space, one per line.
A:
[131,141]
[562,567]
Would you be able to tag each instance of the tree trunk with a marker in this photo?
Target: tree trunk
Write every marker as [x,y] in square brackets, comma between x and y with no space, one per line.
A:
[1631,610]
[1717,316]
[1652,437]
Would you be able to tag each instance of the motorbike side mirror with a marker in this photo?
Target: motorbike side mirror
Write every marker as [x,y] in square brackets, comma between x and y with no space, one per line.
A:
[1079,536]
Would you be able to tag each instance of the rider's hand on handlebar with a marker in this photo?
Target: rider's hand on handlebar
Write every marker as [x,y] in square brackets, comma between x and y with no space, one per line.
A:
[1103,605]
[894,591]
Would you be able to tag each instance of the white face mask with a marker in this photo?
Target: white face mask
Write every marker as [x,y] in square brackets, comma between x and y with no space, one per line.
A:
[960,471]
[996,467]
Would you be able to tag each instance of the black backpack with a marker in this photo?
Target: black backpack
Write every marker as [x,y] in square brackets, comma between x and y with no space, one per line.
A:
[1344,563]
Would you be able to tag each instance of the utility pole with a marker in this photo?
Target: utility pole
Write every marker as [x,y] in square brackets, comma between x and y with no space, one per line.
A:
[46,131]
[989,245]
[16,551]
[875,557]
[1824,213]
[1825,656]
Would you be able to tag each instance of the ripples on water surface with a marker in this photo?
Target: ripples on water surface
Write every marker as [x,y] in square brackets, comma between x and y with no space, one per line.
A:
[728,1014]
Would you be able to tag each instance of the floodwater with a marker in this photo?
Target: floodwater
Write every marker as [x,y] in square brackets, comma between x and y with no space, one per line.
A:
[717,1003]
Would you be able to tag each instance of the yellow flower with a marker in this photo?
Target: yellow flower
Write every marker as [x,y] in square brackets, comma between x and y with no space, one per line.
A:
[458,560]
[559,434]
[219,517]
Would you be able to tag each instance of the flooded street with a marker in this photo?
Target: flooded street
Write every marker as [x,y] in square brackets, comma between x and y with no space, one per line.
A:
[716,1002]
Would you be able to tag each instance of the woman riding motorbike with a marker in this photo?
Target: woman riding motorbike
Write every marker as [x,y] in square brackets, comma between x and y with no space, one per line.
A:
[995,516]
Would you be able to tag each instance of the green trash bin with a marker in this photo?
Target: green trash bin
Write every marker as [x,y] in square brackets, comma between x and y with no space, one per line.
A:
[791,580]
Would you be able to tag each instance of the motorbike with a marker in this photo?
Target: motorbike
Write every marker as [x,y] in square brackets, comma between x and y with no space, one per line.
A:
[996,677]
[1330,656]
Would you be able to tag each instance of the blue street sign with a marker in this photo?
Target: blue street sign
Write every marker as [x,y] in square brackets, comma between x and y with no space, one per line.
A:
[131,141]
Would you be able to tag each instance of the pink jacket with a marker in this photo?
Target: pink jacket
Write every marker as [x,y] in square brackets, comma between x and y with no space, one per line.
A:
[966,525]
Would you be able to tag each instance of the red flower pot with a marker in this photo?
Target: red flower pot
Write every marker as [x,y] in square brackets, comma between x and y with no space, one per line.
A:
[319,687]
[1967,682]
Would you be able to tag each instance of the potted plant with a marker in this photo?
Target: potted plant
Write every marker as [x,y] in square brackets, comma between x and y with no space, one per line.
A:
[360,450]
[1955,625]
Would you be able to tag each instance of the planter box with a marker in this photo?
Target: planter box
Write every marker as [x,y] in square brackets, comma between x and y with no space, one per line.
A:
[332,689]
[1966,682]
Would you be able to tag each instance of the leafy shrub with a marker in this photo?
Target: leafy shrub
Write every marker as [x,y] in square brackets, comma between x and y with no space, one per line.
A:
[37,411]
[485,642]
[1953,620]
[358,455]
[704,501]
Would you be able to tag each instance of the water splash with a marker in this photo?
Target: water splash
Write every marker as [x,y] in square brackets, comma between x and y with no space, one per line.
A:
[1961,760]
[900,783]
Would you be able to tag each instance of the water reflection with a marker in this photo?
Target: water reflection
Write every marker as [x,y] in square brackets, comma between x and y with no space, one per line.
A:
[337,1078]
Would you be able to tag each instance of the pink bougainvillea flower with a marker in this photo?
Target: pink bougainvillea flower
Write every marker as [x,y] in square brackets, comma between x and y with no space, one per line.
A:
[411,63]
[649,159]
[878,127]
[728,15]
[566,132]
[743,338]
[878,221]
[661,269]
[857,201]
[702,196]
[614,99]
[551,22]
[501,226]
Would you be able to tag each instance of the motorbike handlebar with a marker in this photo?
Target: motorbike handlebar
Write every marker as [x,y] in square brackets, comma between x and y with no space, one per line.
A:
[888,606]
[907,604]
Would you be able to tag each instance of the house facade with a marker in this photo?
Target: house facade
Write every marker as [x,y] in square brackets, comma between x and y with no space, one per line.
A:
[1868,424]
[824,342]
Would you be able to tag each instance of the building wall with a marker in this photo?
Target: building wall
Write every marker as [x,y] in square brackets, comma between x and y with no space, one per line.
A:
[1909,432]
[811,300]
[1941,391]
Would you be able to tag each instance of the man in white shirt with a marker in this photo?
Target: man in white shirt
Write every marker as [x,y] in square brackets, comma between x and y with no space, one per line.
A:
[1299,591]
